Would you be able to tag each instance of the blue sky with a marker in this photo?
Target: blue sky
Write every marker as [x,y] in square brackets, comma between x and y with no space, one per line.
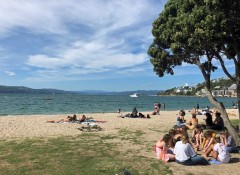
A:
[83,45]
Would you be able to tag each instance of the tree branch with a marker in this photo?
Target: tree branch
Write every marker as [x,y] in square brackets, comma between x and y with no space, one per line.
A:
[224,67]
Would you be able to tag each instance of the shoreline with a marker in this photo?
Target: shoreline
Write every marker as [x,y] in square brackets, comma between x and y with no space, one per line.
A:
[33,126]
[111,112]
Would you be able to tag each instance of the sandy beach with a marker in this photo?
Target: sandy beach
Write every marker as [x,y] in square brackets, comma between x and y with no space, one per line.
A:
[35,126]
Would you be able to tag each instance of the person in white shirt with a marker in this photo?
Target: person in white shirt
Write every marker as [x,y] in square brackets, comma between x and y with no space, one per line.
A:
[185,154]
[220,152]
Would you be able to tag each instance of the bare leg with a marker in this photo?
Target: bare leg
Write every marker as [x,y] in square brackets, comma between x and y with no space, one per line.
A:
[171,157]
[207,152]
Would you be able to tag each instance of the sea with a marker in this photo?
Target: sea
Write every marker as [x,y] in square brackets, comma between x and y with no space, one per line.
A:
[33,104]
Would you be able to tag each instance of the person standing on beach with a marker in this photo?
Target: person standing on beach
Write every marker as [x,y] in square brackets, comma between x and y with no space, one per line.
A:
[163,106]
[197,107]
[155,105]
[156,108]
[159,107]
[233,105]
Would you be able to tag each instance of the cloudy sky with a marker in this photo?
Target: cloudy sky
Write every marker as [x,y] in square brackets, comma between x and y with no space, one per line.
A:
[83,45]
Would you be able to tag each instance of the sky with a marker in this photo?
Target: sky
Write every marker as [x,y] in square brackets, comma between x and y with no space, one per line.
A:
[84,45]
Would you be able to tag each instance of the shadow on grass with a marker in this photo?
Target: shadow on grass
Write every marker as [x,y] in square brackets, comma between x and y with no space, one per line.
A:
[234,160]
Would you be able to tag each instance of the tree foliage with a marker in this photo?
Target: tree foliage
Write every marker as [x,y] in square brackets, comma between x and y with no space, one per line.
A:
[198,32]
[195,32]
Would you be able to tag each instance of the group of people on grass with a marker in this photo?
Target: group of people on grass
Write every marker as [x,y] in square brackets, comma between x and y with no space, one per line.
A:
[177,145]
[216,124]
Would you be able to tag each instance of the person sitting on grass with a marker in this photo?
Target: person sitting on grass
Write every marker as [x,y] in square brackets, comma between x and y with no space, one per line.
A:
[185,154]
[162,151]
[192,124]
[176,135]
[229,142]
[68,119]
[218,123]
[208,121]
[198,136]
[208,142]
[220,152]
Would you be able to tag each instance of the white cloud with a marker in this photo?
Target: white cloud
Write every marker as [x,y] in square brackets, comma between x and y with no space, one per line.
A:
[91,55]
[90,37]
[54,16]
[9,73]
[107,46]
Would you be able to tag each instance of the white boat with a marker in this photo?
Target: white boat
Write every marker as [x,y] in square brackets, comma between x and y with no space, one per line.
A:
[134,95]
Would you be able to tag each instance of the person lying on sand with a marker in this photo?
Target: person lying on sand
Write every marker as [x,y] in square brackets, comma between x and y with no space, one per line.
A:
[83,119]
[87,119]
[68,119]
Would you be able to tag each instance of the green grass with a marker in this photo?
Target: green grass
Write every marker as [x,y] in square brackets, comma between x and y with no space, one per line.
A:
[86,154]
[235,122]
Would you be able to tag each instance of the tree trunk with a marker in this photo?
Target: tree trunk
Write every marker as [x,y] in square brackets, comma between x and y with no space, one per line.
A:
[238,102]
[221,108]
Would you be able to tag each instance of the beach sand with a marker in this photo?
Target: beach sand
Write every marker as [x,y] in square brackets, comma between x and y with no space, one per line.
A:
[35,126]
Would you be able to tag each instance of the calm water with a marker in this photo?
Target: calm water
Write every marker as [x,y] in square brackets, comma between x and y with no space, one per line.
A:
[19,104]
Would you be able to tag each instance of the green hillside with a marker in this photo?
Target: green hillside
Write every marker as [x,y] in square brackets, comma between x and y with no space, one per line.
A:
[220,83]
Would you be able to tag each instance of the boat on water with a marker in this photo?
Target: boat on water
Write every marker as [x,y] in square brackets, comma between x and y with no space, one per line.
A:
[134,95]
[48,98]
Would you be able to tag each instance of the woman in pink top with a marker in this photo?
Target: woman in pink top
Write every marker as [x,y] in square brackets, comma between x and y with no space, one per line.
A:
[162,149]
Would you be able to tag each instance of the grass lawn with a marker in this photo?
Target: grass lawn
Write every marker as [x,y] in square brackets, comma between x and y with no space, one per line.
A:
[86,154]
[235,122]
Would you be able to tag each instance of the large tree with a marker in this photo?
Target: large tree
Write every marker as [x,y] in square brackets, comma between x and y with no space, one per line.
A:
[199,32]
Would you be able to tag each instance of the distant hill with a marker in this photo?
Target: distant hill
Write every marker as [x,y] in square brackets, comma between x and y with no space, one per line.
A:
[22,89]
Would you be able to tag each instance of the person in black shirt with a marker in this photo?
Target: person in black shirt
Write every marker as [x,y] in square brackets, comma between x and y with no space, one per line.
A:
[209,121]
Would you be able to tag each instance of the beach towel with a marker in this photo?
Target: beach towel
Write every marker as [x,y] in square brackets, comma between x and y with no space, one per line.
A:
[94,121]
[100,121]
[88,123]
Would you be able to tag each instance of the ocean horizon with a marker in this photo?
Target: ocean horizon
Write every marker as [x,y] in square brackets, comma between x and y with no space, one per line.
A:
[34,104]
